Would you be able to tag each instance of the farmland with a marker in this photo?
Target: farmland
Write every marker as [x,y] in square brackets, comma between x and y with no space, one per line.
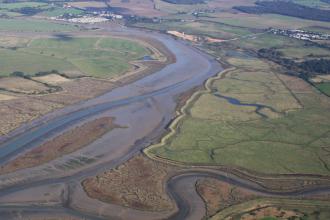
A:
[97,57]
[34,26]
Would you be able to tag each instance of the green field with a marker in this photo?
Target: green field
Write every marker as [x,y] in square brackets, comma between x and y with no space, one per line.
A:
[18,5]
[287,137]
[33,26]
[97,57]
[324,87]
[54,12]
[305,209]
[313,3]
[203,28]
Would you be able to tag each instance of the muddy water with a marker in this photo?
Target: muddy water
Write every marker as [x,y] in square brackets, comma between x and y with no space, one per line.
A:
[143,108]
[190,69]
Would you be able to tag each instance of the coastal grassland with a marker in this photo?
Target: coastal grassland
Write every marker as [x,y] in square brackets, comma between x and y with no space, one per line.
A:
[226,201]
[276,208]
[16,61]
[268,40]
[225,15]
[253,116]
[263,21]
[313,3]
[324,87]
[199,28]
[18,5]
[92,56]
[33,25]
[12,42]
[318,29]
[177,8]
[15,9]
[58,11]
[307,52]
[287,133]
[21,85]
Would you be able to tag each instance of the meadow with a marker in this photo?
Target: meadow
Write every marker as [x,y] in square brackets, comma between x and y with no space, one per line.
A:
[34,26]
[324,87]
[254,116]
[94,56]
[285,135]
[275,208]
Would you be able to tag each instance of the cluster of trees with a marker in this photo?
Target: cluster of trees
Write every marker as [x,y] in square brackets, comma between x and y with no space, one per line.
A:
[305,69]
[28,10]
[286,8]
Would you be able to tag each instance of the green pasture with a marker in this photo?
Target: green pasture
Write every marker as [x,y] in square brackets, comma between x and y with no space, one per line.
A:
[97,57]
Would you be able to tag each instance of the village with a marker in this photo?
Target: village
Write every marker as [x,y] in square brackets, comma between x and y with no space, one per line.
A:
[300,34]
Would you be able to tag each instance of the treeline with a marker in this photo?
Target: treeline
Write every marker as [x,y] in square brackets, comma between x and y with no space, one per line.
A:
[326,1]
[30,11]
[288,9]
[305,69]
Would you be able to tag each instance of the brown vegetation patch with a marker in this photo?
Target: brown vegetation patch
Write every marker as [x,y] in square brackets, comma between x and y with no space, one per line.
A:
[17,111]
[270,211]
[21,85]
[73,92]
[296,84]
[66,143]
[219,195]
[51,79]
[4,97]
[139,184]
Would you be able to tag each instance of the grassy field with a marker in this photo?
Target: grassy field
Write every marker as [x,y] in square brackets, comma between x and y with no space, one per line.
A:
[324,87]
[281,123]
[287,135]
[54,12]
[18,5]
[33,25]
[305,52]
[313,3]
[41,9]
[98,57]
[272,209]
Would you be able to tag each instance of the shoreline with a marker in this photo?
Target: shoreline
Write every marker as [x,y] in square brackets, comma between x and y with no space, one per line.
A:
[147,68]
